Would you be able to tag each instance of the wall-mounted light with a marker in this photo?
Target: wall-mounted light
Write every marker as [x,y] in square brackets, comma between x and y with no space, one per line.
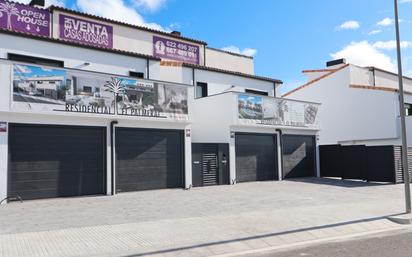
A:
[188,133]
[232,134]
[82,65]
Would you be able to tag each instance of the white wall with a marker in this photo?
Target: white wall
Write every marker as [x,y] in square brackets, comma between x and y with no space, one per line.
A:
[86,121]
[78,119]
[349,114]
[3,161]
[212,117]
[176,74]
[72,56]
[227,61]
[314,75]
[364,76]
[127,38]
[220,82]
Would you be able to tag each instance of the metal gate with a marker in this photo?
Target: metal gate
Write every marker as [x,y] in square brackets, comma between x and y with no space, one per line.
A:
[256,157]
[148,159]
[298,153]
[210,164]
[52,161]
[370,163]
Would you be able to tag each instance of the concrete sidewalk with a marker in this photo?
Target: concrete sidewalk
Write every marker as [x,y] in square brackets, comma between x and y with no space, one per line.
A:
[201,222]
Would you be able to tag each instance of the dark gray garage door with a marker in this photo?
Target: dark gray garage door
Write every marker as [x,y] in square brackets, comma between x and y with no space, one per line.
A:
[148,159]
[256,157]
[53,161]
[298,156]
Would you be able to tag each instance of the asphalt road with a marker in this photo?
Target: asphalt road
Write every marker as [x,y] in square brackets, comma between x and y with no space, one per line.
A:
[394,244]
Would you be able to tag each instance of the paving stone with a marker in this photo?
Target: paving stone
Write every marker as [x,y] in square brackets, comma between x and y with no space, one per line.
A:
[199,222]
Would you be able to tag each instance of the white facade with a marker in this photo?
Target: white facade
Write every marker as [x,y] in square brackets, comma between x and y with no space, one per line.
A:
[360,105]
[92,87]
[139,40]
[220,59]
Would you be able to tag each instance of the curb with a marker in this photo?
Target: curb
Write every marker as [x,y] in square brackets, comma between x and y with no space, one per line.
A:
[310,242]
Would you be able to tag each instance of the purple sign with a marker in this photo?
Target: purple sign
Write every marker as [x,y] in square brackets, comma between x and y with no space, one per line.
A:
[24,18]
[85,31]
[175,50]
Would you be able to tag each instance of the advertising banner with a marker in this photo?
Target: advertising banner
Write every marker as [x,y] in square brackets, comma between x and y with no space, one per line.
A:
[175,50]
[24,18]
[36,88]
[84,31]
[3,126]
[275,111]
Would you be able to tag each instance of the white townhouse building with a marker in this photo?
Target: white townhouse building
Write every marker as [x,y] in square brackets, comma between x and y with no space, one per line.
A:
[360,105]
[127,108]
[359,134]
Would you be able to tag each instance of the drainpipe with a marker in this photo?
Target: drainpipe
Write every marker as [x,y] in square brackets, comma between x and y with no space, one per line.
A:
[281,151]
[193,82]
[112,152]
[148,68]
[204,55]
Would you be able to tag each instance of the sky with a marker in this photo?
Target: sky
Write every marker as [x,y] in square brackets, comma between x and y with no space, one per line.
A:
[284,37]
[26,71]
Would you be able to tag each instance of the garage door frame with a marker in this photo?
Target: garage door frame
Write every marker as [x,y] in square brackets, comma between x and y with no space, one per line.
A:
[28,125]
[275,138]
[182,153]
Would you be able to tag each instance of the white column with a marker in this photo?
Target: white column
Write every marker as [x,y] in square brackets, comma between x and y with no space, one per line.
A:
[188,156]
[109,161]
[3,164]
[317,156]
[279,151]
[232,158]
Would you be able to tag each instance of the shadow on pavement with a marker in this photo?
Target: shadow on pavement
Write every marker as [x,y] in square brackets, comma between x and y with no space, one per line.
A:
[338,182]
[260,236]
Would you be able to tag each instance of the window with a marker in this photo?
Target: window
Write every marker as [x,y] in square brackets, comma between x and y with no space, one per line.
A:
[36,60]
[201,89]
[136,74]
[256,92]
[408,109]
[87,89]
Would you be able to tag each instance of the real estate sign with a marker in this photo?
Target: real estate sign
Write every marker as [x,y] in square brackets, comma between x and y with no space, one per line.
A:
[36,89]
[166,48]
[274,111]
[24,18]
[84,31]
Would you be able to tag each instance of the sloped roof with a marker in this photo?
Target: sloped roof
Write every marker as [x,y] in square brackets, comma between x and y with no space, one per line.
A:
[87,15]
[315,80]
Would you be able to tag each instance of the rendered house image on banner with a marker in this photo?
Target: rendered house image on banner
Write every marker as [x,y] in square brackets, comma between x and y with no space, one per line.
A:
[93,106]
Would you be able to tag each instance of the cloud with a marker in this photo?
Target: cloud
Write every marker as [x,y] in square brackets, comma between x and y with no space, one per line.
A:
[47,2]
[405,1]
[234,49]
[116,10]
[151,5]
[391,45]
[385,22]
[364,54]
[348,25]
[374,32]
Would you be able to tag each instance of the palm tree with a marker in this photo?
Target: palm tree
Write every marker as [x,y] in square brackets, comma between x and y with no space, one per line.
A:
[116,87]
[10,9]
